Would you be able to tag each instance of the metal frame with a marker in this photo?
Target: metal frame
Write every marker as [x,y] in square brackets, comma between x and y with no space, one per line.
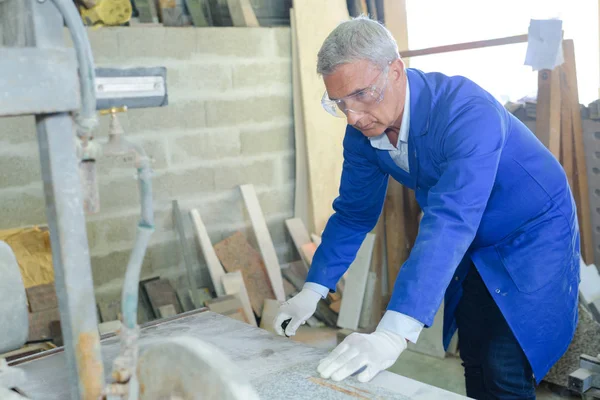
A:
[39,25]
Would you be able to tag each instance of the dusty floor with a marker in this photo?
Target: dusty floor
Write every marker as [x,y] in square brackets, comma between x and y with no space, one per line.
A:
[444,373]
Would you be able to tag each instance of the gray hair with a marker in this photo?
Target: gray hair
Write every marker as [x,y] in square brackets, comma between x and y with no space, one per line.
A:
[357,39]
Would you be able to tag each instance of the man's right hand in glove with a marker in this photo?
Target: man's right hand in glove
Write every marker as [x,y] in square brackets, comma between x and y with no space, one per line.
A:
[296,311]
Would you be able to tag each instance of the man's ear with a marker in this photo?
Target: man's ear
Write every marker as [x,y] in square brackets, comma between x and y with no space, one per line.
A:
[398,71]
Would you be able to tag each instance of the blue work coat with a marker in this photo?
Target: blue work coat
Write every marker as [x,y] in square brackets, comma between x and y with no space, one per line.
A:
[491,193]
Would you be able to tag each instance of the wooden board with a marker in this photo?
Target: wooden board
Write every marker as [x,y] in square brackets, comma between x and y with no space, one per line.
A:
[242,13]
[295,272]
[263,238]
[396,22]
[41,297]
[547,122]
[308,252]
[215,269]
[167,311]
[233,283]
[147,11]
[315,19]
[581,181]
[566,131]
[401,227]
[197,9]
[39,324]
[270,310]
[230,306]
[236,254]
[290,290]
[356,281]
[300,237]
[302,208]
[367,310]
[184,245]
[335,306]
[161,293]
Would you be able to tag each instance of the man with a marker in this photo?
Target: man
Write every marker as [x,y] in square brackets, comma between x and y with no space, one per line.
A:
[498,240]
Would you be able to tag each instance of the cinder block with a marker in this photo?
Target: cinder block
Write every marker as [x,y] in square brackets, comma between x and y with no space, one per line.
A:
[229,210]
[184,115]
[246,42]
[156,42]
[277,201]
[109,267]
[258,173]
[283,41]
[154,148]
[104,42]
[20,169]
[244,111]
[261,74]
[18,129]
[205,146]
[118,193]
[177,183]
[199,77]
[22,209]
[266,141]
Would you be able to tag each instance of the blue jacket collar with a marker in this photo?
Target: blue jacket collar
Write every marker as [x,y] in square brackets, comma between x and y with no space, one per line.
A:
[420,102]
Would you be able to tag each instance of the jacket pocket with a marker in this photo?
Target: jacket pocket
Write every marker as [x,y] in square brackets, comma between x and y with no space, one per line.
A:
[538,252]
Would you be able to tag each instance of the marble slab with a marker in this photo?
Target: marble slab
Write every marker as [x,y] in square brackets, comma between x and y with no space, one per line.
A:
[273,364]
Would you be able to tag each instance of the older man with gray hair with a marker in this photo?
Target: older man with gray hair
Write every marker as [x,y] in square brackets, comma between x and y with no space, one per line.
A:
[499,237]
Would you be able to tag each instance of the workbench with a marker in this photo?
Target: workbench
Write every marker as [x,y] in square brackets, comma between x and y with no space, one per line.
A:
[277,367]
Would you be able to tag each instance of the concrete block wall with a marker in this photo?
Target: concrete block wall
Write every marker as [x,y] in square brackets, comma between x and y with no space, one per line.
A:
[229,122]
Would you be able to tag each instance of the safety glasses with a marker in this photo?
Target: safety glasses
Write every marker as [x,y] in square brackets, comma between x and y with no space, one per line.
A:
[360,101]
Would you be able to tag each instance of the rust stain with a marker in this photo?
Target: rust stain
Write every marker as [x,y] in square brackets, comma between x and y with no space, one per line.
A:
[326,384]
[89,364]
[360,390]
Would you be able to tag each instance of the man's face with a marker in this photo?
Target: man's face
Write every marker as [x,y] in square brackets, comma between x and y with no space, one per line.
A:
[347,82]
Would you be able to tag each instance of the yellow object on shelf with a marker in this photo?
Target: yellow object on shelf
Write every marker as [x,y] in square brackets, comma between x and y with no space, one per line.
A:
[107,12]
[34,255]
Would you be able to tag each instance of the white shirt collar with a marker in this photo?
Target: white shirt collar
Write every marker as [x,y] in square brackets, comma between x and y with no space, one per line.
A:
[382,142]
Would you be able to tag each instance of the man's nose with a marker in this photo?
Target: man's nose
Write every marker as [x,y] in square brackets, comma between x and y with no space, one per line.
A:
[352,117]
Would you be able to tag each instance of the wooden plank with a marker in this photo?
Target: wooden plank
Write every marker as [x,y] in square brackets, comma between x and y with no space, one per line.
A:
[366,313]
[242,13]
[236,254]
[396,22]
[197,9]
[295,272]
[263,238]
[302,208]
[581,180]
[167,311]
[300,237]
[315,19]
[290,290]
[233,283]
[566,131]
[184,245]
[147,11]
[547,122]
[350,309]
[270,310]
[39,324]
[161,293]
[215,269]
[308,252]
[230,306]
[335,306]
[479,44]
[41,297]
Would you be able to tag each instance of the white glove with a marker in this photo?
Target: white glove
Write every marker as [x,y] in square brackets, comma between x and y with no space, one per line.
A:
[376,351]
[296,311]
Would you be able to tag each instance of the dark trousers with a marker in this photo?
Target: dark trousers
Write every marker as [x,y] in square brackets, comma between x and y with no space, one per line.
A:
[495,365]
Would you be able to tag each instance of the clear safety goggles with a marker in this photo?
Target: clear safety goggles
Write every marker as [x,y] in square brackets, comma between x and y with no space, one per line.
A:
[360,101]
